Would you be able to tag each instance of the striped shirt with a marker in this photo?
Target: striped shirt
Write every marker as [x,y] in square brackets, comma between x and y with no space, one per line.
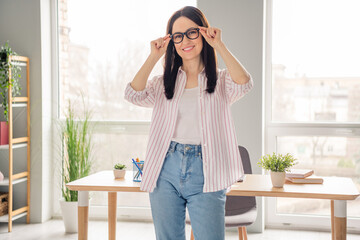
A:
[222,165]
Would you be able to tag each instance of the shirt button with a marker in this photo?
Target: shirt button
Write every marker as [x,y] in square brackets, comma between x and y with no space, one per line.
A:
[204,144]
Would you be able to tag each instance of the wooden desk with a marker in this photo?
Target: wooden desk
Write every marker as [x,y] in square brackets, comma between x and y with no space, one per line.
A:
[338,190]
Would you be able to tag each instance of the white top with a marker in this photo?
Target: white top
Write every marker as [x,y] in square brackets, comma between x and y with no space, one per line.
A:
[187,129]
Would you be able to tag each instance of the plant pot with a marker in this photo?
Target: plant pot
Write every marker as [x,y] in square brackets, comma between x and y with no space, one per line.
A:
[277,179]
[70,215]
[119,173]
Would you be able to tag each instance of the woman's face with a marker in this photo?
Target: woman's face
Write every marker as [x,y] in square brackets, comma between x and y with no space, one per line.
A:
[188,49]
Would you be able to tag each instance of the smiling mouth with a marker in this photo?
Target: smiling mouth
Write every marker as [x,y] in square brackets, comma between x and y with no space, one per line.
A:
[188,49]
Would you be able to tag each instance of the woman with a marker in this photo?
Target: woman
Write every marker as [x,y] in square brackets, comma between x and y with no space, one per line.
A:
[192,155]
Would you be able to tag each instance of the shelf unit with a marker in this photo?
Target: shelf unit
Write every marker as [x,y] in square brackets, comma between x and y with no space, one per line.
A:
[14,143]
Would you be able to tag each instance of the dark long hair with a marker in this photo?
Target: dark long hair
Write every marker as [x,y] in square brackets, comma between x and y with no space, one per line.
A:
[173,61]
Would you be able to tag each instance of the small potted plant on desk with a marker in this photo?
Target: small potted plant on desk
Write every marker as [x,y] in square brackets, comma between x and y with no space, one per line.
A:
[119,170]
[277,164]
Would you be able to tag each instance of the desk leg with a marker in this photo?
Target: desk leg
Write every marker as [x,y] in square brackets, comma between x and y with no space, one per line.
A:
[332,221]
[339,219]
[83,214]
[112,215]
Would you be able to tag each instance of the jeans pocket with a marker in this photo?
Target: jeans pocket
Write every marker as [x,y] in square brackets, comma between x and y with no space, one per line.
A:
[168,153]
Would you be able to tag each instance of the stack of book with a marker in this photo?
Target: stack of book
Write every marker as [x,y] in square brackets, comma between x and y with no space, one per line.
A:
[302,176]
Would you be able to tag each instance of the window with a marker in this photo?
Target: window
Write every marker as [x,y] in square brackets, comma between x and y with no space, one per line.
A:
[313,99]
[315,59]
[101,46]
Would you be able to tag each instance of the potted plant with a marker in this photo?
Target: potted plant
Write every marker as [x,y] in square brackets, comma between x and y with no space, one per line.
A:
[277,164]
[119,170]
[5,81]
[76,138]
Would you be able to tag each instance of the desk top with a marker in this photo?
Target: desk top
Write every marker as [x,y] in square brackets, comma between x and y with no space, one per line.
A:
[105,181]
[335,188]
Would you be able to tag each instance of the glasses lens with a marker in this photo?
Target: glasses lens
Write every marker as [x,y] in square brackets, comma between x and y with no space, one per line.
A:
[192,33]
[177,38]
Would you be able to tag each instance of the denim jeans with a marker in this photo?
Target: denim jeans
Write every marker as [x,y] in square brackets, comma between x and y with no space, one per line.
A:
[180,185]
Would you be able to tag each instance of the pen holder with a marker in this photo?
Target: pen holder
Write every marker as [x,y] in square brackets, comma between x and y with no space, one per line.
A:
[137,174]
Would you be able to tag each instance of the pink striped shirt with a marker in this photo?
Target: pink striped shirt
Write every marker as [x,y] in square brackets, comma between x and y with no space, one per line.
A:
[221,158]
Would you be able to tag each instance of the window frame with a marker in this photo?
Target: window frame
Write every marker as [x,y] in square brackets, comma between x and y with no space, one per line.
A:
[278,129]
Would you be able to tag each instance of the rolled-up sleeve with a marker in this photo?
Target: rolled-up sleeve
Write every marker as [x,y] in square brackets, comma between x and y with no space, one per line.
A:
[233,90]
[144,98]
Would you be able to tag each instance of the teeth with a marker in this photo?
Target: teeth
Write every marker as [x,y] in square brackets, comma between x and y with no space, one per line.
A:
[188,48]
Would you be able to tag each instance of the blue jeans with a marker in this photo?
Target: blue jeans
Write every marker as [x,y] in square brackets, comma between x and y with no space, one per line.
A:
[180,185]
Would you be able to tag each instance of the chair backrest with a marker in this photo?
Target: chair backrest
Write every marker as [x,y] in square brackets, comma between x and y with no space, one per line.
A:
[245,160]
[236,205]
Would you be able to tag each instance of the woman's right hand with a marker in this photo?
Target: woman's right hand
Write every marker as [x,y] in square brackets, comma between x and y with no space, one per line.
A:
[159,46]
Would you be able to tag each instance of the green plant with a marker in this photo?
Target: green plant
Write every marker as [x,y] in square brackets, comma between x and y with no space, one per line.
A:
[277,162]
[77,147]
[5,82]
[119,166]
[346,163]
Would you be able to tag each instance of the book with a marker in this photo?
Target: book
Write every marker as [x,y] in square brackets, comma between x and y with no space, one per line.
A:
[314,180]
[299,173]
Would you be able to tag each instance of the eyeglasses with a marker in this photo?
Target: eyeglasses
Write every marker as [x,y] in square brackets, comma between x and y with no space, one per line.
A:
[191,33]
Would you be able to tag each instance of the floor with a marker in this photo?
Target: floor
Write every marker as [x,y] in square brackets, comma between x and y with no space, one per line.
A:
[54,230]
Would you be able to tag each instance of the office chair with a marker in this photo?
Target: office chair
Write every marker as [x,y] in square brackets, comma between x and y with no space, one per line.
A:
[240,211]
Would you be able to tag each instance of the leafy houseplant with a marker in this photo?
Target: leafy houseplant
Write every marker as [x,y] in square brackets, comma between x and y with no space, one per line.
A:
[76,138]
[277,164]
[5,81]
[119,166]
[119,170]
[77,144]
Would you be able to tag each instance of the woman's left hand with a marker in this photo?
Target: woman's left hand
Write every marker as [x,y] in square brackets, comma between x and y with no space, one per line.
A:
[212,35]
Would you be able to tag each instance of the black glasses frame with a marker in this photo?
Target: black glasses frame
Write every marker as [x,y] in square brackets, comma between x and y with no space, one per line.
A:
[185,33]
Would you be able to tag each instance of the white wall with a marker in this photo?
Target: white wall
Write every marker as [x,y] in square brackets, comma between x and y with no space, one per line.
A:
[26,25]
[241,22]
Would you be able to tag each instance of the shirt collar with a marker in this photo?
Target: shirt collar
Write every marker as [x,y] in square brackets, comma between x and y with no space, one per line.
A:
[202,72]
